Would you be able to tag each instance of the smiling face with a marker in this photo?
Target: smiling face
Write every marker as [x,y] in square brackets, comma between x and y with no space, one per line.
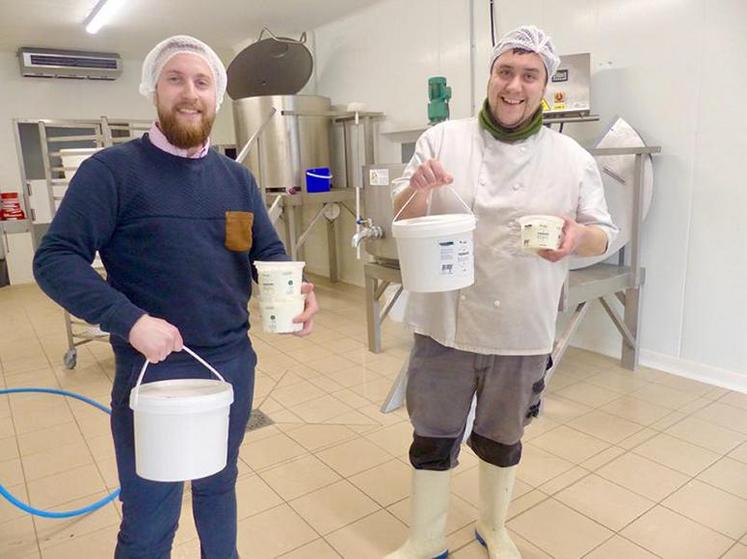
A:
[516,87]
[185,100]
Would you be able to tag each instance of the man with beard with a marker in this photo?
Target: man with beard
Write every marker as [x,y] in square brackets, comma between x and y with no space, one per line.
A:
[492,340]
[178,226]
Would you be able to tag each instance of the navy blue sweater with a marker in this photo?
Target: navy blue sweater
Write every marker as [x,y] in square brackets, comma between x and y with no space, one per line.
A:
[159,222]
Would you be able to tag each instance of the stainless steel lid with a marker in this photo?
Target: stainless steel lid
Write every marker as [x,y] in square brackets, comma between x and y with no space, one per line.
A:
[271,66]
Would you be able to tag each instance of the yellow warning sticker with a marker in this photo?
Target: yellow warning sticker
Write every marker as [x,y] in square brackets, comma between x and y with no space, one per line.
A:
[545,106]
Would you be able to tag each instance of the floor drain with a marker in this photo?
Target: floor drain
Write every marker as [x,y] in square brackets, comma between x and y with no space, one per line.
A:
[258,420]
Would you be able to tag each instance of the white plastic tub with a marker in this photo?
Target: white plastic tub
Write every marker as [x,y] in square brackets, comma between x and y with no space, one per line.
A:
[181,427]
[278,314]
[540,232]
[436,252]
[279,279]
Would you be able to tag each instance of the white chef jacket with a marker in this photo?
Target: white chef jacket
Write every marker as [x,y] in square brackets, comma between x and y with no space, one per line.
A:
[511,308]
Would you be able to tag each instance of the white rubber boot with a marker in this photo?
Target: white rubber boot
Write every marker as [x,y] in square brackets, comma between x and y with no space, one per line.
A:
[496,486]
[429,505]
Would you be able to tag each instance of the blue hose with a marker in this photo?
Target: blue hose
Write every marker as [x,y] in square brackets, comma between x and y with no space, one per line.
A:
[67,514]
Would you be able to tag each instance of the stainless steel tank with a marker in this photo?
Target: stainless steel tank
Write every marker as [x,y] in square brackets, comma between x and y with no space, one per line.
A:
[377,211]
[291,140]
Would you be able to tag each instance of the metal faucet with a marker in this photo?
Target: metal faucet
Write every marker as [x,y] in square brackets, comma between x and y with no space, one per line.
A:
[368,231]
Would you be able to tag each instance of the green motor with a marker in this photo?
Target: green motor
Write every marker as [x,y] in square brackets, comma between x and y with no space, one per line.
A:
[438,95]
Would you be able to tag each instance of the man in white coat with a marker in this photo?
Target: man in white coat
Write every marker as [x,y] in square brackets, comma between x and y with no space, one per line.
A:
[494,338]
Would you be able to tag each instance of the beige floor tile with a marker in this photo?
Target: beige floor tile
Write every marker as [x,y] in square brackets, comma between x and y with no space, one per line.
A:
[539,427]
[672,536]
[266,452]
[562,410]
[724,415]
[664,396]
[642,476]
[527,501]
[353,457]
[707,435]
[609,504]
[739,551]
[350,398]
[559,530]
[329,364]
[296,393]
[8,445]
[58,460]
[11,472]
[355,375]
[55,531]
[637,439]
[636,409]
[604,457]
[619,548]
[320,409]
[32,421]
[254,496]
[369,538]
[618,382]
[668,420]
[9,511]
[605,426]
[739,453]
[711,507]
[729,475]
[570,444]
[395,439]
[64,487]
[299,477]
[270,534]
[318,549]
[374,391]
[17,538]
[588,394]
[315,437]
[677,454]
[333,507]
[538,466]
[386,484]
[736,399]
[50,439]
[564,480]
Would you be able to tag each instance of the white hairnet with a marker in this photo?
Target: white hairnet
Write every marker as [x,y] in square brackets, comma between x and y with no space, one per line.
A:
[531,38]
[165,50]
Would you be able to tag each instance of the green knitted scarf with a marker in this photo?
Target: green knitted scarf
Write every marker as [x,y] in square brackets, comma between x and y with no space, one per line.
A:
[510,135]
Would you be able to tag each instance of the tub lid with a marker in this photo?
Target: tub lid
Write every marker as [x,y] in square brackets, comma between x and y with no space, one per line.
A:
[181,396]
[433,226]
[271,66]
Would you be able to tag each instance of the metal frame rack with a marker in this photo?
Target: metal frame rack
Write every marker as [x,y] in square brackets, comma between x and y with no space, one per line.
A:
[600,281]
[101,133]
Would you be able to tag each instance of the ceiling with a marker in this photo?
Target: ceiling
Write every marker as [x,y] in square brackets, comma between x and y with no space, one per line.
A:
[226,25]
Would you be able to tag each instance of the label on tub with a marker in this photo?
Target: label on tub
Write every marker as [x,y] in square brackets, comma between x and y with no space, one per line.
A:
[378,177]
[455,257]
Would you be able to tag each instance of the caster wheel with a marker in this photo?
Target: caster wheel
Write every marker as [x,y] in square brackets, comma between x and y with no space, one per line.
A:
[70,359]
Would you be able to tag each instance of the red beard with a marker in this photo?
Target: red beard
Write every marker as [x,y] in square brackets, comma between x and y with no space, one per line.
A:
[181,135]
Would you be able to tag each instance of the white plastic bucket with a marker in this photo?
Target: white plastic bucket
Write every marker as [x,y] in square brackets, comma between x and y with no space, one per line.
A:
[181,426]
[278,314]
[436,252]
[540,232]
[279,279]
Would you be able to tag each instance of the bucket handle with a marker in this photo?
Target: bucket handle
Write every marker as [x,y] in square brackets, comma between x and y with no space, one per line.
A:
[185,348]
[451,188]
[314,175]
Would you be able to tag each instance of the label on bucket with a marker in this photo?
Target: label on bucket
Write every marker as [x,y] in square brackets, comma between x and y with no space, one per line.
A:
[455,257]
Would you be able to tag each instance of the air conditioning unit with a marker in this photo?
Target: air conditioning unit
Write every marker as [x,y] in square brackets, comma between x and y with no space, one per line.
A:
[71,64]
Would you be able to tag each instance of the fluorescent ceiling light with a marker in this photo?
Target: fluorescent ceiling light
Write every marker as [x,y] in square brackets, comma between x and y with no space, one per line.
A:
[101,14]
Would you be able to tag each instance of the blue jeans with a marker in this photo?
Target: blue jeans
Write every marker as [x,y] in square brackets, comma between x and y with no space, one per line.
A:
[150,509]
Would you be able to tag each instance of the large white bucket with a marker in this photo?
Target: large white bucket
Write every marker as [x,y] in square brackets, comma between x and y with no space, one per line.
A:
[279,279]
[436,252]
[181,426]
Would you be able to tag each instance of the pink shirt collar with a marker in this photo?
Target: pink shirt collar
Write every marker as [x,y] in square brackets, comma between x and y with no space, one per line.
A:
[157,138]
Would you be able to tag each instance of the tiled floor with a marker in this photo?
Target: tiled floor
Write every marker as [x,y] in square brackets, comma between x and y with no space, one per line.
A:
[621,465]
